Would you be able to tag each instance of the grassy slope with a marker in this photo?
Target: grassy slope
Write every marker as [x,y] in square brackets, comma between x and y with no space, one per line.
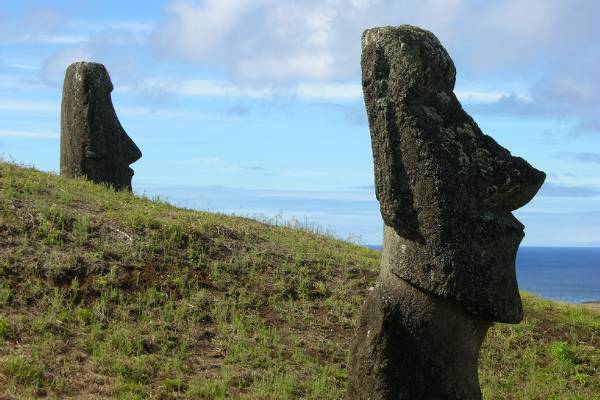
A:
[104,294]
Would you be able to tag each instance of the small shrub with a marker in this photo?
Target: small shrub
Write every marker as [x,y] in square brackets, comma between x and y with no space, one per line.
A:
[50,235]
[563,352]
[174,385]
[82,228]
[57,217]
[6,330]
[212,388]
[6,295]
[85,316]
[136,370]
[22,371]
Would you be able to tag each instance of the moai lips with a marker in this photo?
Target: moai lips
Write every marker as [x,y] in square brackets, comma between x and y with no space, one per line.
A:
[93,142]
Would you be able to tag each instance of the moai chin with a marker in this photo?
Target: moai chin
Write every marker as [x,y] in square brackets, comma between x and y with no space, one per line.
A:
[446,192]
[92,141]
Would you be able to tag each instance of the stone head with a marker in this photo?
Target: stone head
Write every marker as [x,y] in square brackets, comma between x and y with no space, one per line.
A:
[446,190]
[93,142]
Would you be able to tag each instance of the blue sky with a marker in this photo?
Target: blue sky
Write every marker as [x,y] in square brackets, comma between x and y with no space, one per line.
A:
[254,107]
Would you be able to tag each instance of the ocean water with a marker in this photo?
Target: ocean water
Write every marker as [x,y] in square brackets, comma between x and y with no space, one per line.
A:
[570,274]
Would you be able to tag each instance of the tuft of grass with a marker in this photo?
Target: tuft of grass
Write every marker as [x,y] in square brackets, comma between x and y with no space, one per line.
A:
[82,229]
[6,330]
[109,295]
[22,372]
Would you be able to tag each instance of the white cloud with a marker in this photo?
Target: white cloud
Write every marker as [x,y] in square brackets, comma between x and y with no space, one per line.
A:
[309,91]
[257,39]
[212,88]
[28,134]
[23,66]
[56,39]
[307,40]
[329,91]
[29,106]
[134,27]
[144,113]
[133,112]
[14,82]
[470,96]
[314,66]
[473,96]
[54,67]
[200,27]
[113,49]
[304,90]
[309,49]
[116,43]
[269,39]
[588,181]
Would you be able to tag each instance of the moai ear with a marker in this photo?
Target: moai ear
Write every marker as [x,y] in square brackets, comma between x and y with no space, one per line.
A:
[392,186]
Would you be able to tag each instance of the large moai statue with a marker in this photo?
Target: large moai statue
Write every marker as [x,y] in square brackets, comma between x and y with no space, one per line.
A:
[92,141]
[446,192]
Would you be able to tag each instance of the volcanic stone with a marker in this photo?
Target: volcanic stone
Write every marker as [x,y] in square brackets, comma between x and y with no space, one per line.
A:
[446,192]
[443,185]
[93,142]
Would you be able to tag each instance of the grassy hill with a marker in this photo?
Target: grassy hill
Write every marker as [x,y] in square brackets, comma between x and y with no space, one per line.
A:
[108,295]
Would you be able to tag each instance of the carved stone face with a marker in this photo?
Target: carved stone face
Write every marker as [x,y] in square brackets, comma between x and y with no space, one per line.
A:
[446,189]
[93,142]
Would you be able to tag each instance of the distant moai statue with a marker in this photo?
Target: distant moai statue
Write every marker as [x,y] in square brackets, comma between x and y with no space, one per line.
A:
[446,192]
[92,141]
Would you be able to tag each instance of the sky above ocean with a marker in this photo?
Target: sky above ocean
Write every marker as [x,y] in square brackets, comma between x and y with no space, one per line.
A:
[254,107]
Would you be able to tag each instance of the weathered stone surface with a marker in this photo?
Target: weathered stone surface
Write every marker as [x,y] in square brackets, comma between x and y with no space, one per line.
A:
[409,345]
[93,142]
[446,192]
[444,187]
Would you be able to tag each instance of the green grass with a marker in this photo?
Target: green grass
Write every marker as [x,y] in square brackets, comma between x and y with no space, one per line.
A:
[108,295]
